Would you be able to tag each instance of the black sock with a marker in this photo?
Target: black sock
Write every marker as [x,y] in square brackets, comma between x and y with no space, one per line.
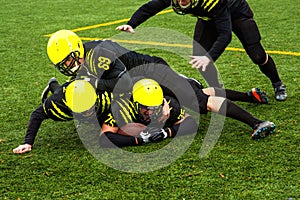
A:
[233,95]
[269,69]
[230,109]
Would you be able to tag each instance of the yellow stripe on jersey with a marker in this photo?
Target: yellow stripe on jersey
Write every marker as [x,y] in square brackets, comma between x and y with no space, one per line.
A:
[105,101]
[204,18]
[209,4]
[214,4]
[60,113]
[91,63]
[168,102]
[131,107]
[126,111]
[124,117]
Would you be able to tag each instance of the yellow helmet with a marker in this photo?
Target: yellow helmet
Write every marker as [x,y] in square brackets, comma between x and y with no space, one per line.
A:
[80,96]
[61,45]
[147,92]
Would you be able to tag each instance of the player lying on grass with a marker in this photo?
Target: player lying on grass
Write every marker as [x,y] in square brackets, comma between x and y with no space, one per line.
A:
[59,107]
[146,107]
[73,63]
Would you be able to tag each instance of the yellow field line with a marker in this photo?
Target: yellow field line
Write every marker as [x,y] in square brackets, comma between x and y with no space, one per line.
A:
[188,46]
[113,22]
[162,44]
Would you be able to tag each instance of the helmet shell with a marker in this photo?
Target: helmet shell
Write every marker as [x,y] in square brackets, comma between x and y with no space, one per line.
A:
[147,92]
[80,96]
[61,44]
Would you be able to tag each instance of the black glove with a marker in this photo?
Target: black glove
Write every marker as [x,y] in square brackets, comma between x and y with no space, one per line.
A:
[144,136]
[157,134]
[153,134]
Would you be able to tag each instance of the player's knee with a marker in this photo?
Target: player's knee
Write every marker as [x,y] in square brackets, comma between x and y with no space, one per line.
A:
[209,105]
[257,54]
[209,91]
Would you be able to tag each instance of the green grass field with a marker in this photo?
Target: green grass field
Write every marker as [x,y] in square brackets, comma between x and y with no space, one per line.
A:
[60,167]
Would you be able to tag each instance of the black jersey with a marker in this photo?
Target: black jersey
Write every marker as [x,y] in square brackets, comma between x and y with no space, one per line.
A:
[137,65]
[106,52]
[124,111]
[219,12]
[55,108]
[200,8]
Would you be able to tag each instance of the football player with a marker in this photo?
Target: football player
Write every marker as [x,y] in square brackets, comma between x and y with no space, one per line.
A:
[61,106]
[216,20]
[148,103]
[66,100]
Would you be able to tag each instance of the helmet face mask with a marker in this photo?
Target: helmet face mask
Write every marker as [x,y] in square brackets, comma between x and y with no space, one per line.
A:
[148,114]
[72,67]
[183,10]
[148,98]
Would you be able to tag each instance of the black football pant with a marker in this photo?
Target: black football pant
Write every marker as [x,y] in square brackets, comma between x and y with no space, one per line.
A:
[247,31]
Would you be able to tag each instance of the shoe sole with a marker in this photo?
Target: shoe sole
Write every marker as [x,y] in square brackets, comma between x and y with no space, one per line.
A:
[281,99]
[263,132]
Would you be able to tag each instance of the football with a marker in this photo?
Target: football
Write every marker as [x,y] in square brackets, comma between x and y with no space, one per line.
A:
[132,129]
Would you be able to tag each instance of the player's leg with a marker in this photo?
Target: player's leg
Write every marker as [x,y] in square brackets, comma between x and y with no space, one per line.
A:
[227,108]
[254,95]
[204,37]
[247,31]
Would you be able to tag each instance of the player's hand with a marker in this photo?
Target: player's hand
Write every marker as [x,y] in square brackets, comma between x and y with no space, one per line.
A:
[158,135]
[165,112]
[199,62]
[22,148]
[144,135]
[126,28]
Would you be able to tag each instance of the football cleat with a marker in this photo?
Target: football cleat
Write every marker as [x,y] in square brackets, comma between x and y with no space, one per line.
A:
[280,91]
[258,96]
[47,89]
[262,130]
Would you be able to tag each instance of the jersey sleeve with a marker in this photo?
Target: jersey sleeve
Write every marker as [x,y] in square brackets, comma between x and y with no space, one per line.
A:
[122,113]
[177,112]
[55,107]
[36,119]
[148,10]
[223,27]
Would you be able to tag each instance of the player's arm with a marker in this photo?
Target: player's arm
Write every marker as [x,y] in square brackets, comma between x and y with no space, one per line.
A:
[53,108]
[109,137]
[36,119]
[143,13]
[178,118]
[224,31]
[187,126]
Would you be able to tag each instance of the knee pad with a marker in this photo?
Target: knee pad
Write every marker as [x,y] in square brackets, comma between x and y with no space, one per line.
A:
[247,31]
